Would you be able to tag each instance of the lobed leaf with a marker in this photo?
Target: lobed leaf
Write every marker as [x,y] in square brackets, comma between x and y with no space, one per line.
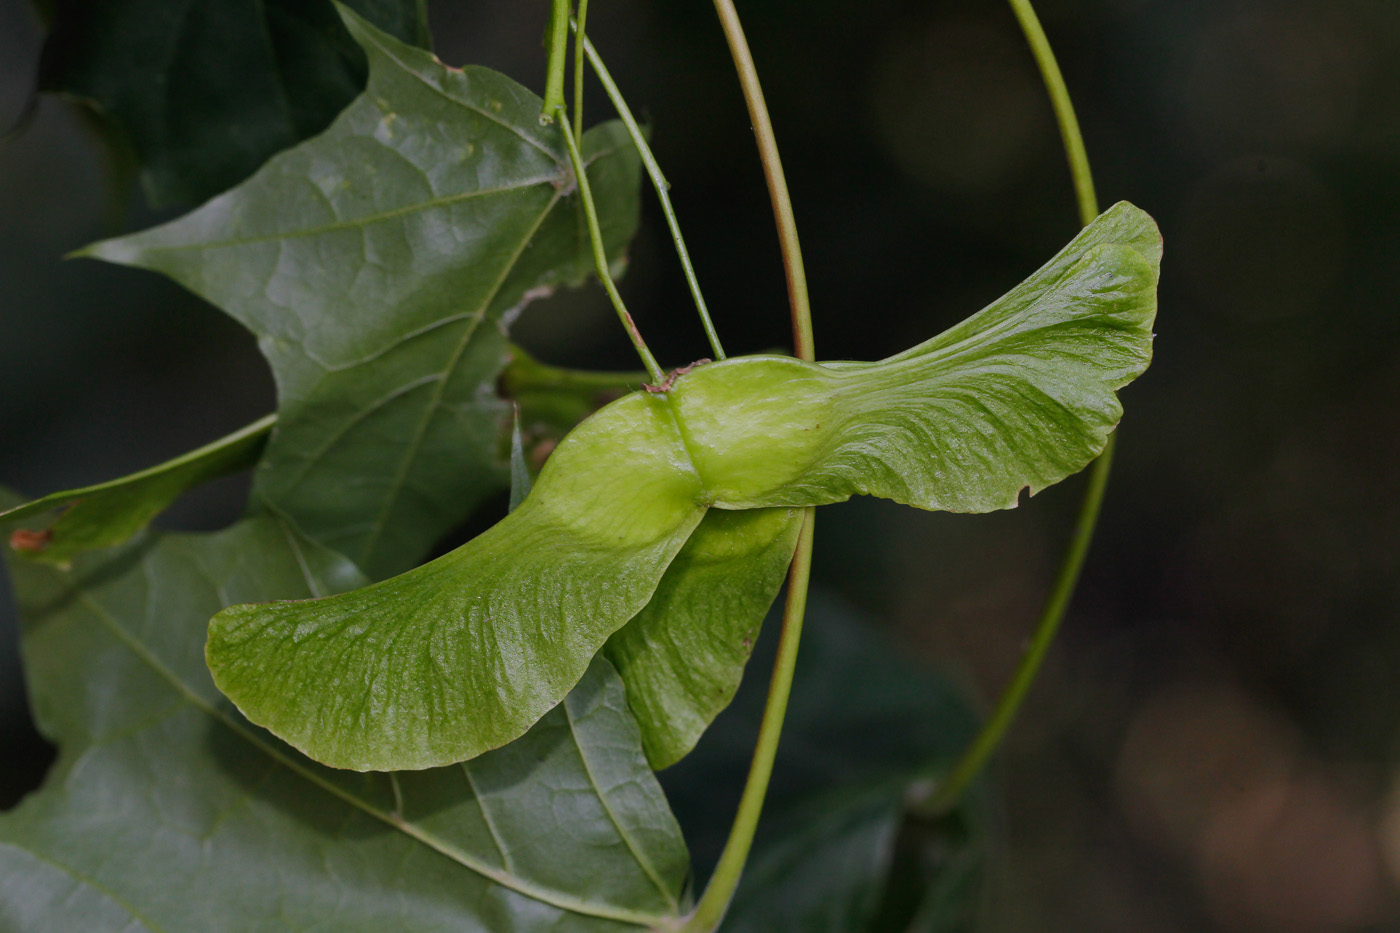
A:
[464,653]
[109,513]
[204,92]
[158,778]
[379,264]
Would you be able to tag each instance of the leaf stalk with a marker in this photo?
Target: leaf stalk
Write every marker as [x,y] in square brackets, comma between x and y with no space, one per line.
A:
[1064,109]
[662,186]
[580,37]
[710,911]
[777,180]
[600,258]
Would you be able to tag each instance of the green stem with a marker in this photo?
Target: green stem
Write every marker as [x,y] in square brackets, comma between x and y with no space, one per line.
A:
[662,186]
[558,52]
[713,904]
[777,181]
[425,35]
[1064,109]
[580,37]
[950,790]
[720,890]
[600,256]
[524,373]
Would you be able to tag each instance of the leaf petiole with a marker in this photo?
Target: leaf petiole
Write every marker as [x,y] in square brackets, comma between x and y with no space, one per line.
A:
[662,186]
[578,23]
[600,258]
[776,179]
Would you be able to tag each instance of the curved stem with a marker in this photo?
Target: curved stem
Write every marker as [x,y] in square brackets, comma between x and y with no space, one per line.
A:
[1064,109]
[777,181]
[950,790]
[600,257]
[662,186]
[580,37]
[710,911]
[720,890]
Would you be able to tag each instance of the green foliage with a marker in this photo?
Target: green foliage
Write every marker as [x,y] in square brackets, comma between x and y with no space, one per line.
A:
[463,654]
[166,810]
[379,264]
[109,513]
[866,733]
[204,92]
[514,695]
[824,871]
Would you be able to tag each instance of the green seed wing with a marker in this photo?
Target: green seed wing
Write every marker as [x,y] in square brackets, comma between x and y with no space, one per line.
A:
[465,653]
[683,656]
[1018,396]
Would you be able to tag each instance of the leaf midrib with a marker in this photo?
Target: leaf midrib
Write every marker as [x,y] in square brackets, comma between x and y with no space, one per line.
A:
[410,454]
[505,879]
[637,856]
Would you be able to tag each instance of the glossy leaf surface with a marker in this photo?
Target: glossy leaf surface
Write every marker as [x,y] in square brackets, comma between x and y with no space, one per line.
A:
[204,91]
[683,655]
[108,513]
[461,655]
[379,264]
[160,779]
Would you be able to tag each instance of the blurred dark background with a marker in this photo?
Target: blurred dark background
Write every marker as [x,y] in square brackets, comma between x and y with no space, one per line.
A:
[1214,744]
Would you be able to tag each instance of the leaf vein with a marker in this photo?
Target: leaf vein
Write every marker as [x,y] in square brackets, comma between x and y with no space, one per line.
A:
[520,886]
[626,837]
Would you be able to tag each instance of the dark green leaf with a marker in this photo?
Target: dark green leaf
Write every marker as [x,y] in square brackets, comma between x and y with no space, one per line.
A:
[110,512]
[823,870]
[865,729]
[683,655]
[167,811]
[853,861]
[204,91]
[463,654]
[379,264]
